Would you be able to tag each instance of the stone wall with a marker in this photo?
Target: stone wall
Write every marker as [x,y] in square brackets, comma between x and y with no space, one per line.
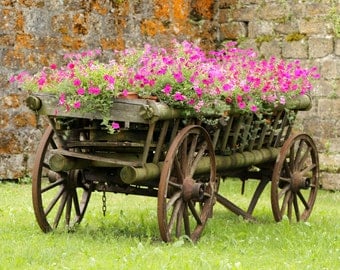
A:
[36,33]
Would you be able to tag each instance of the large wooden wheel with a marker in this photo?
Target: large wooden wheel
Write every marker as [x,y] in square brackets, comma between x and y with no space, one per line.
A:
[185,196]
[295,179]
[57,197]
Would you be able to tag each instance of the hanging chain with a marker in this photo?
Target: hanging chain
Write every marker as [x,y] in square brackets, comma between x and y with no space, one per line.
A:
[104,202]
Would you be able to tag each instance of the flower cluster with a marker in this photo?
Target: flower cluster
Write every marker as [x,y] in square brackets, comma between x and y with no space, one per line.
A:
[183,76]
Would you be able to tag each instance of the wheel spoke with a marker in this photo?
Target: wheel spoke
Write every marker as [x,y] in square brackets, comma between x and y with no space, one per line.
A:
[186,220]
[191,154]
[296,208]
[304,157]
[53,185]
[179,220]
[302,199]
[54,201]
[184,155]
[76,203]
[298,154]
[308,169]
[285,202]
[178,169]
[60,210]
[68,209]
[198,157]
[290,206]
[194,213]
[287,169]
[173,200]
[174,215]
[283,191]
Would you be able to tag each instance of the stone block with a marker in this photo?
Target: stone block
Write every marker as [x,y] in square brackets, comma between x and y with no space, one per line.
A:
[314,25]
[232,30]
[330,68]
[330,181]
[260,28]
[12,166]
[295,49]
[38,21]
[329,108]
[269,49]
[320,46]
[273,11]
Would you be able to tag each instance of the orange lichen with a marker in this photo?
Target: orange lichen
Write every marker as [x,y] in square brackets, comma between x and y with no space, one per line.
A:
[4,118]
[161,9]
[80,24]
[20,21]
[152,27]
[25,119]
[99,7]
[112,44]
[23,41]
[204,8]
[71,43]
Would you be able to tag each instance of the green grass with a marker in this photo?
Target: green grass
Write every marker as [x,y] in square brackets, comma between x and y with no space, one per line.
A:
[128,238]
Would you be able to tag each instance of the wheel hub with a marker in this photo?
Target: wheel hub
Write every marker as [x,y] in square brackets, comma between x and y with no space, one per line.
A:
[193,190]
[299,182]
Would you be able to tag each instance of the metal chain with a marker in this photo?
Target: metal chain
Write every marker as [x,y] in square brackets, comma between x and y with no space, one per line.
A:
[104,203]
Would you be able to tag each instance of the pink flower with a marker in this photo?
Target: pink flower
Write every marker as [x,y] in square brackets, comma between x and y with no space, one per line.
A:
[53,66]
[109,79]
[253,108]
[94,90]
[70,65]
[76,82]
[167,89]
[77,104]
[81,91]
[42,81]
[242,105]
[179,96]
[115,125]
[125,92]
[178,76]
[62,99]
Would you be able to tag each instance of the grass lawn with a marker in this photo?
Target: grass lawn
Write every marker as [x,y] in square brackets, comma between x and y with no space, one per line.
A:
[128,238]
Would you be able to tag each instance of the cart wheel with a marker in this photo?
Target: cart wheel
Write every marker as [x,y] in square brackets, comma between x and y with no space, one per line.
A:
[185,200]
[56,195]
[295,180]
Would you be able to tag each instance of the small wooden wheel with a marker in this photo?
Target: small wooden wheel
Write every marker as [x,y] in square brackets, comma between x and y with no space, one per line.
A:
[186,195]
[295,179]
[56,195]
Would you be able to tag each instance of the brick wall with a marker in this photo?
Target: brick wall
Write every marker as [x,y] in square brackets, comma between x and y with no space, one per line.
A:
[34,33]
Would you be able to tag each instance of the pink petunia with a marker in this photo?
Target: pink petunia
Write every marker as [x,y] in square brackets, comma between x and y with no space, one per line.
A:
[53,66]
[167,89]
[115,125]
[94,90]
[254,108]
[81,91]
[62,99]
[76,82]
[179,96]
[109,79]
[242,105]
[77,104]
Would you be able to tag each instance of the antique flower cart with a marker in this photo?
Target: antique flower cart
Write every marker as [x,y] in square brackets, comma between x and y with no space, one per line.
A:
[160,152]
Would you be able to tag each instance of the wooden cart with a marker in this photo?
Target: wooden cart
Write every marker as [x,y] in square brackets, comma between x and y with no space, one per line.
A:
[161,153]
